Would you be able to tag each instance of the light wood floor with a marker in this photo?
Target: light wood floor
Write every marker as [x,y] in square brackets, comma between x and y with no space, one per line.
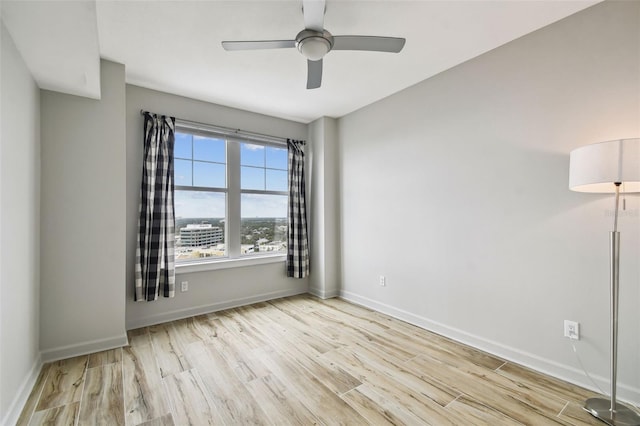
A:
[298,360]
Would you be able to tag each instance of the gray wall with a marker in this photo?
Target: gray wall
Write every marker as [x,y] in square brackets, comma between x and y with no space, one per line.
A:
[456,189]
[83,219]
[19,231]
[324,207]
[210,290]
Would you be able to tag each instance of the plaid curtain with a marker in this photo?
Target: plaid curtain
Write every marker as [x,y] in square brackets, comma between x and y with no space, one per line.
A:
[155,269]
[297,244]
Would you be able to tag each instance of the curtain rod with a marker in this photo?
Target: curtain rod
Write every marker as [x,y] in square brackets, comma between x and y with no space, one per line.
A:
[226,130]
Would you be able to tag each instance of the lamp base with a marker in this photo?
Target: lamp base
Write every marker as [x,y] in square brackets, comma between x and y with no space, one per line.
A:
[600,408]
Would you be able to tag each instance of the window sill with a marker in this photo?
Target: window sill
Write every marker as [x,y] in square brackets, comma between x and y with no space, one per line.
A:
[213,265]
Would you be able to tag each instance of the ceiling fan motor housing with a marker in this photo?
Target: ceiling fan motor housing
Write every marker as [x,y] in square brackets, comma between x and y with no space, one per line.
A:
[314,44]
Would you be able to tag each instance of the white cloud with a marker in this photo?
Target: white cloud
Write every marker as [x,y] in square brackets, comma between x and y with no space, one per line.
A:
[199,204]
[252,147]
[257,205]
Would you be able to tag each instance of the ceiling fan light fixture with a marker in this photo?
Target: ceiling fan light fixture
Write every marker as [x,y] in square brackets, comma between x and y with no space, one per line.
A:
[314,48]
[313,44]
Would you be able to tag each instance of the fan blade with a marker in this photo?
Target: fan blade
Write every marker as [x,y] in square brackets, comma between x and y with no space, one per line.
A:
[314,74]
[313,11]
[376,44]
[255,45]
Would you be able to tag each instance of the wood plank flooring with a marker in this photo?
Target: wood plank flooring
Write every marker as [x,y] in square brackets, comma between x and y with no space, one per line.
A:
[297,361]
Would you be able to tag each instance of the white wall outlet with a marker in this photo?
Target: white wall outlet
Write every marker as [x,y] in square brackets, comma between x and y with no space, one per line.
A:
[383,280]
[572,329]
[184,286]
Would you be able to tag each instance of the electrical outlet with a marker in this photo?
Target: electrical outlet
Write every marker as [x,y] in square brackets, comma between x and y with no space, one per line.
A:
[184,286]
[572,329]
[383,280]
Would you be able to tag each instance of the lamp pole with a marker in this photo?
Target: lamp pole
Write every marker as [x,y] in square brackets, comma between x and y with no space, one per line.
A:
[609,411]
[614,253]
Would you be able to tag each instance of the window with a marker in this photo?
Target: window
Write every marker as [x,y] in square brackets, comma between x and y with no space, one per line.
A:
[263,183]
[230,196]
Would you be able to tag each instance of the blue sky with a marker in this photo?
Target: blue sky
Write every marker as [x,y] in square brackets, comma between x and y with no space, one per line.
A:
[201,161]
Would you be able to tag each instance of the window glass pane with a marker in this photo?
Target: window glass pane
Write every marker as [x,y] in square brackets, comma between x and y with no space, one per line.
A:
[263,224]
[209,149]
[200,225]
[252,178]
[251,155]
[182,172]
[277,180]
[210,175]
[182,146]
[277,158]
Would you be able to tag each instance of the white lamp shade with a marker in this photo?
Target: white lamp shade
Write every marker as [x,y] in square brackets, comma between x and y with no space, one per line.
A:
[596,167]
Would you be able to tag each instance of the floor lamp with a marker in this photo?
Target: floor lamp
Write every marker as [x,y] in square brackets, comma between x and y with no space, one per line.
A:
[609,167]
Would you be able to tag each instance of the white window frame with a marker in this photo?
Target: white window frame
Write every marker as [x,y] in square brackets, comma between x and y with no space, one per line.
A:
[233,222]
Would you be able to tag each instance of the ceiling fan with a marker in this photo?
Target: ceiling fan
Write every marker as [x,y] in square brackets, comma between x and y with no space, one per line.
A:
[315,41]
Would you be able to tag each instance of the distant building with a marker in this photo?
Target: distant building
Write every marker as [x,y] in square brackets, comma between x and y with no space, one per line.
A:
[201,235]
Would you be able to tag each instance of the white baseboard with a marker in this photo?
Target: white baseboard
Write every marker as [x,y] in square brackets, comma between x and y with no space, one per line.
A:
[84,348]
[213,307]
[323,294]
[18,403]
[567,373]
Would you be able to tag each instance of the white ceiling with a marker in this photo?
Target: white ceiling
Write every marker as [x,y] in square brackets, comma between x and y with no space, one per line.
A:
[174,46]
[58,41]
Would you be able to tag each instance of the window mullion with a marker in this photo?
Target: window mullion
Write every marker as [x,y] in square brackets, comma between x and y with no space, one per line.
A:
[192,157]
[233,199]
[264,168]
